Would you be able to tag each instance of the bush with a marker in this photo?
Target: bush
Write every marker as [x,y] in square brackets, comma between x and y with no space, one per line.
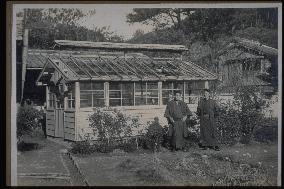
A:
[238,120]
[267,131]
[82,147]
[154,136]
[27,120]
[112,125]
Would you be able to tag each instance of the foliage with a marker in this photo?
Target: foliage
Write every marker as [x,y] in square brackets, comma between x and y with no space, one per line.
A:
[112,125]
[238,119]
[228,124]
[155,135]
[82,147]
[212,28]
[27,120]
[193,128]
[158,17]
[267,131]
[47,25]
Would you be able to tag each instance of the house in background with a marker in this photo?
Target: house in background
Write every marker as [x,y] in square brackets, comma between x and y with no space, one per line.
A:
[248,63]
[79,81]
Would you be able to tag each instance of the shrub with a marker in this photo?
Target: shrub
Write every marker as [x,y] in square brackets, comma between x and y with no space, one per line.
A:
[27,120]
[112,125]
[193,128]
[238,120]
[82,147]
[228,125]
[155,135]
[128,146]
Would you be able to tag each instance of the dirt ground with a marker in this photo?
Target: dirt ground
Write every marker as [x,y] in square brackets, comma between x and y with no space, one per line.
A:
[239,165]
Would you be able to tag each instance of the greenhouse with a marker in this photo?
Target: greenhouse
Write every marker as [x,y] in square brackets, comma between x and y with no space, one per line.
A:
[79,82]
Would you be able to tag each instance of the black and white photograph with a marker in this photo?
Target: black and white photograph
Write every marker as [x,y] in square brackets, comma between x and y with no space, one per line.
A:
[164,94]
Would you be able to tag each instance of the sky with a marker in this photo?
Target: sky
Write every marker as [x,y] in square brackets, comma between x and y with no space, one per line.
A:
[114,15]
[115,18]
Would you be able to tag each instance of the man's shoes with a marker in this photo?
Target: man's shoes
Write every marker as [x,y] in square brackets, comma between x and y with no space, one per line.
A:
[216,148]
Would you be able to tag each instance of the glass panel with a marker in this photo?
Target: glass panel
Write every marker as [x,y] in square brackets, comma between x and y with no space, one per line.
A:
[115,102]
[127,102]
[85,99]
[98,86]
[140,101]
[167,85]
[85,86]
[127,94]
[114,94]
[139,86]
[98,102]
[152,85]
[98,94]
[115,86]
[152,101]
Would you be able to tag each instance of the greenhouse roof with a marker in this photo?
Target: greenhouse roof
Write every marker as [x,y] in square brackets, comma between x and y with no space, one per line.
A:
[75,67]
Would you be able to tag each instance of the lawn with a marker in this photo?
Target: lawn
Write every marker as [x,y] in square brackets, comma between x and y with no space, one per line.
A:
[238,165]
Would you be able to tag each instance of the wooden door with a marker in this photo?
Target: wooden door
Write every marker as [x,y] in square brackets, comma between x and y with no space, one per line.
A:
[59,119]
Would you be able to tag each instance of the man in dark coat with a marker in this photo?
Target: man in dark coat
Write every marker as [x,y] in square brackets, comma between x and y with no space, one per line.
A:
[177,112]
[207,111]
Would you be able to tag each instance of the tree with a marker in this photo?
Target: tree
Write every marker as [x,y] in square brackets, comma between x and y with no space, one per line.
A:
[159,17]
[47,25]
[138,33]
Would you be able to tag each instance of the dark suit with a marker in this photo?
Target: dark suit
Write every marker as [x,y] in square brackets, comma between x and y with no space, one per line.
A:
[177,110]
[207,111]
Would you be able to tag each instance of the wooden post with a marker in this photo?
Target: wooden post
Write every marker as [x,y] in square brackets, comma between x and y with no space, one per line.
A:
[134,94]
[206,85]
[160,100]
[183,91]
[106,89]
[77,96]
[47,97]
[24,60]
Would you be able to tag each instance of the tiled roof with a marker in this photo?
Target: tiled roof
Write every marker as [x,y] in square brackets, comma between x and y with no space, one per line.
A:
[255,45]
[248,44]
[119,46]
[103,67]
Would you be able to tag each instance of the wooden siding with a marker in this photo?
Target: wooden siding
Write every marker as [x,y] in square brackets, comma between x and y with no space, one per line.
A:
[144,113]
[50,122]
[69,125]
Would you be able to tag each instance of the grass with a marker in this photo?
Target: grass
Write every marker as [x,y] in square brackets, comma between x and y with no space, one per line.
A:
[246,165]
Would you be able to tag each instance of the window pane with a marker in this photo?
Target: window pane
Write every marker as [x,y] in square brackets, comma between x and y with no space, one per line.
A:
[115,86]
[98,102]
[98,86]
[167,85]
[139,86]
[152,101]
[152,85]
[98,94]
[127,102]
[114,94]
[85,99]
[153,93]
[127,94]
[140,101]
[85,86]
[114,102]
